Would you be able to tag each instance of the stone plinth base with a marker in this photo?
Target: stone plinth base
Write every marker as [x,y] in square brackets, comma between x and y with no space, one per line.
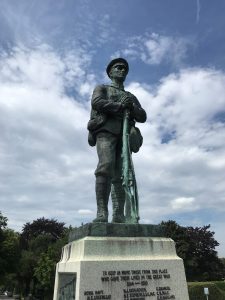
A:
[120,268]
[116,230]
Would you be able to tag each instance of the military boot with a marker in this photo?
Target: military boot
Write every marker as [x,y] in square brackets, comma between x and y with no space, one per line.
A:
[102,188]
[118,200]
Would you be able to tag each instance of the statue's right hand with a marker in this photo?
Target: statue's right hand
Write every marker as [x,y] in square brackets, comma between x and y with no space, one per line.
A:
[127,102]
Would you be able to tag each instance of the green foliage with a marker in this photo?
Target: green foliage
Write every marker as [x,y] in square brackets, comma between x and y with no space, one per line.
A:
[202,247]
[3,224]
[9,282]
[9,253]
[10,249]
[44,271]
[196,245]
[49,228]
[220,285]
[27,264]
[45,267]
[28,260]
[41,243]
[3,221]
[178,234]
[216,290]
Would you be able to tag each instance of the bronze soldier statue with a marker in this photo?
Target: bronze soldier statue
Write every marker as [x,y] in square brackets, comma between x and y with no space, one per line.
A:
[109,104]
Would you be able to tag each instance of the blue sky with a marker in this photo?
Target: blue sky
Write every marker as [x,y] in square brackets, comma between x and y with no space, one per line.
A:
[53,53]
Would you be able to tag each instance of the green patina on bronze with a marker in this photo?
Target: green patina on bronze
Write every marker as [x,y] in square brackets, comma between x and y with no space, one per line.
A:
[116,230]
[128,176]
[112,129]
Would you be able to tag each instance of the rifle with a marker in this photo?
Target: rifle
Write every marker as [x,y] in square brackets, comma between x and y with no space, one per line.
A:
[128,176]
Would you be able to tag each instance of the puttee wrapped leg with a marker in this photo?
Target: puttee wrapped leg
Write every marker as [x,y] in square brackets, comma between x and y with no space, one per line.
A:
[102,188]
[118,201]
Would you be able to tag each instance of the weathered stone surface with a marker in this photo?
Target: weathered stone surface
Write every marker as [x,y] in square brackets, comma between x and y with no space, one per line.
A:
[119,268]
[116,230]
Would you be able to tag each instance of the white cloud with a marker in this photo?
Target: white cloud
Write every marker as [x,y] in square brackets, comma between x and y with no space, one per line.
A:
[155,49]
[47,166]
[184,203]
[183,152]
[44,157]
[165,48]
[39,22]
[85,212]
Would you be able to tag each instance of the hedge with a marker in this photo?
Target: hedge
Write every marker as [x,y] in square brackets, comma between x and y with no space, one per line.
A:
[216,290]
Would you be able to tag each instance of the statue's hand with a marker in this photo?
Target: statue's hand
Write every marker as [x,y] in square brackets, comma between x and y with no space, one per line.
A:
[127,102]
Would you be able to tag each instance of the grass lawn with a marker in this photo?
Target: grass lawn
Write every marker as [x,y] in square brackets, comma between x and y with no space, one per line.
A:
[216,290]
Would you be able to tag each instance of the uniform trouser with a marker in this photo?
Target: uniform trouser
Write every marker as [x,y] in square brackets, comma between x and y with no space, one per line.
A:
[109,168]
[109,147]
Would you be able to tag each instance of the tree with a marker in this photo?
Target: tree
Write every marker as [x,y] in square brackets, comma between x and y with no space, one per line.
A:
[3,224]
[10,250]
[45,267]
[42,226]
[27,264]
[196,246]
[37,263]
[222,260]
[3,221]
[9,254]
[202,246]
[178,234]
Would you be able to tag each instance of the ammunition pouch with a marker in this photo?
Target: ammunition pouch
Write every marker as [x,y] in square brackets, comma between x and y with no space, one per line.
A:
[136,139]
[91,139]
[94,124]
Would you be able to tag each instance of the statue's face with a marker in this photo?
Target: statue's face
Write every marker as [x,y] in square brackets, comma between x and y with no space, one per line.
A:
[118,72]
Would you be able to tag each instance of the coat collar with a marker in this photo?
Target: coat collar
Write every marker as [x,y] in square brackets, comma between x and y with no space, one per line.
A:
[117,86]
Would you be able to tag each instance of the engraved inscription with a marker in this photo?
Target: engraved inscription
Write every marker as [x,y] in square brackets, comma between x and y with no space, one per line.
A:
[96,295]
[138,283]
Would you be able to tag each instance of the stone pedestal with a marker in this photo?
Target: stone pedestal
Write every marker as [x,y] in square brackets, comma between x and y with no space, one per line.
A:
[120,268]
